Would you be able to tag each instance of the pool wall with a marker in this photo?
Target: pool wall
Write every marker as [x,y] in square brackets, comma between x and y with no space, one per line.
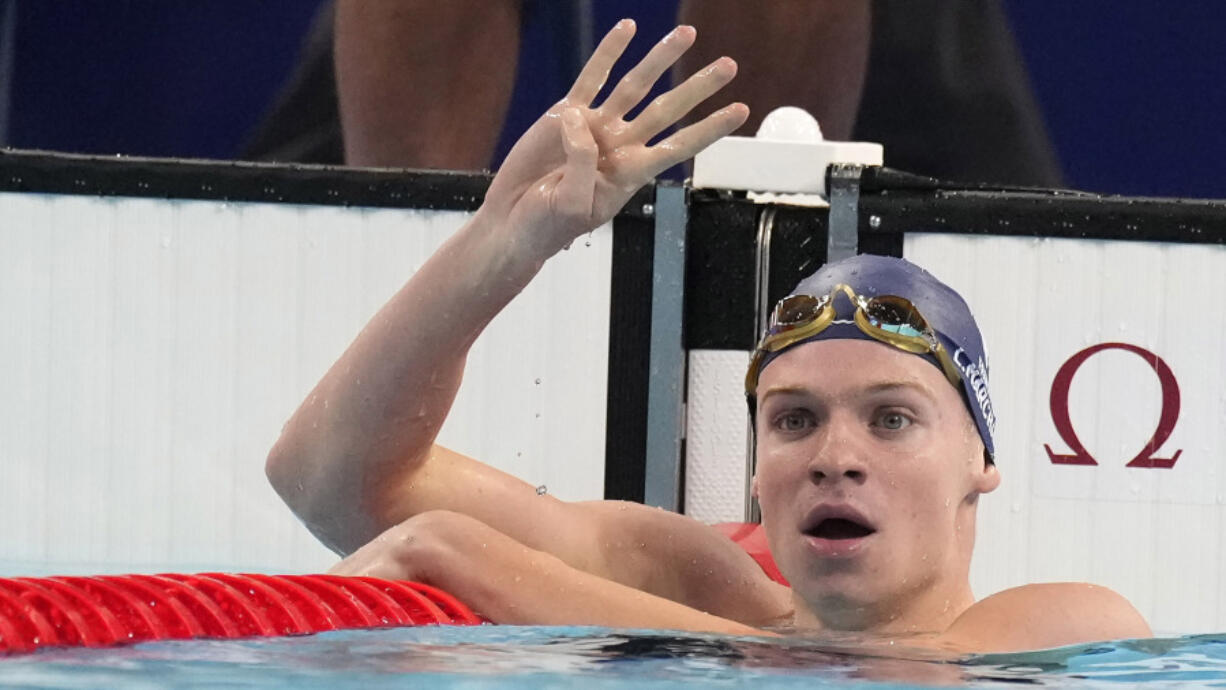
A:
[164,318]
[154,347]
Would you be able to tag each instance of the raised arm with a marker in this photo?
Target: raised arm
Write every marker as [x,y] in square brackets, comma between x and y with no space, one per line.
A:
[358,456]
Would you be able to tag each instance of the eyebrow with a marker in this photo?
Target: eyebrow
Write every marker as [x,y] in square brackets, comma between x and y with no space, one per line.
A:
[874,389]
[782,390]
[890,386]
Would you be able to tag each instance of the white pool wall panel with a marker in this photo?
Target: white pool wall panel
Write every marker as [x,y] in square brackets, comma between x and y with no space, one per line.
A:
[717,430]
[1156,535]
[153,349]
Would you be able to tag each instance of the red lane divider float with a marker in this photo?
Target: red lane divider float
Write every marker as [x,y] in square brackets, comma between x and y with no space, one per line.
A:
[106,610]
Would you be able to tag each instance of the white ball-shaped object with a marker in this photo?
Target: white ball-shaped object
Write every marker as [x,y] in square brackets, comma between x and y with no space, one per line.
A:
[790,123]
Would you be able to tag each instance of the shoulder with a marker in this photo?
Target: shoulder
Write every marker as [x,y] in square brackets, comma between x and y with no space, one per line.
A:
[1041,616]
[679,558]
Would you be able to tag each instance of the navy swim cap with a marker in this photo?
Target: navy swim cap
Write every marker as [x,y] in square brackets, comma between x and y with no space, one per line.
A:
[941,307]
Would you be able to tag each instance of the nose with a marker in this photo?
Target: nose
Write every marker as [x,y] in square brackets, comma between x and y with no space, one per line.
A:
[837,456]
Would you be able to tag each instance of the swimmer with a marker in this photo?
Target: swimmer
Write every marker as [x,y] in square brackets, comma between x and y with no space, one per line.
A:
[872,419]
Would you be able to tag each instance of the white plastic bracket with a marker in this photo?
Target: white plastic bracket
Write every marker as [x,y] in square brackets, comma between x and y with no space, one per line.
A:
[785,162]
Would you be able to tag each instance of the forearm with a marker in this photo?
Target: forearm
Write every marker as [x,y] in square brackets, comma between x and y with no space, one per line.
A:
[413,91]
[508,582]
[374,416]
[520,586]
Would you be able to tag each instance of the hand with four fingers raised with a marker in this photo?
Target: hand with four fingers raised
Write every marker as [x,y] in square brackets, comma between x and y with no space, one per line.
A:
[580,162]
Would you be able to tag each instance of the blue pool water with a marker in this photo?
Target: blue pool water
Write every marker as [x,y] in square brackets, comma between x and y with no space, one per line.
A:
[553,657]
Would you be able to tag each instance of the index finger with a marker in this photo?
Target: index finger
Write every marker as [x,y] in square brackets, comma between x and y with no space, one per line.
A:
[593,75]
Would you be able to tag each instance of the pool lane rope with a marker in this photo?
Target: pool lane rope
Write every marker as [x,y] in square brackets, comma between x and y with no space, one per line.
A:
[107,610]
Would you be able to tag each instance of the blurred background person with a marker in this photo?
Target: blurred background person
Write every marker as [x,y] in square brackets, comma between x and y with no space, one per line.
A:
[941,84]
[1131,95]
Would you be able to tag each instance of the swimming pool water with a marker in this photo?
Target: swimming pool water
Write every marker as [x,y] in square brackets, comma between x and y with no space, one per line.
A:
[556,657]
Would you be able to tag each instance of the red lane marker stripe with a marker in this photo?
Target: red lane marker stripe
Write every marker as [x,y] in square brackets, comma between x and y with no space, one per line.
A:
[22,632]
[136,616]
[211,617]
[351,611]
[102,622]
[248,621]
[383,606]
[420,609]
[319,616]
[459,612]
[69,625]
[178,621]
[282,614]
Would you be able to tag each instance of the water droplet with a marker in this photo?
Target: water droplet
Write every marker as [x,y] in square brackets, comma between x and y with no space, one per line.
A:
[874,221]
[542,490]
[538,382]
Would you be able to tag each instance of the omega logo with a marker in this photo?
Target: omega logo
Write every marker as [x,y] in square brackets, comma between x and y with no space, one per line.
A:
[1064,426]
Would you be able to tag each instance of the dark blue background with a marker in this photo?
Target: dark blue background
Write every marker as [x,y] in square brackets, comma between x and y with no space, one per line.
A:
[1133,90]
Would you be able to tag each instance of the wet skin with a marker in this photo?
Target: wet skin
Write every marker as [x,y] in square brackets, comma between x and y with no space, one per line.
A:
[869,473]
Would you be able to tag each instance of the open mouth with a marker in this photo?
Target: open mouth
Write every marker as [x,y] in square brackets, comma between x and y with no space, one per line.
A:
[840,528]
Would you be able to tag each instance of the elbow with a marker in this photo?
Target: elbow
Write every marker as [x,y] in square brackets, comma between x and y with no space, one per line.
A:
[325,500]
[290,473]
[284,474]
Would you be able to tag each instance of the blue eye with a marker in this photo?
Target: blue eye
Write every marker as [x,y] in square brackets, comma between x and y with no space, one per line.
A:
[893,421]
[793,421]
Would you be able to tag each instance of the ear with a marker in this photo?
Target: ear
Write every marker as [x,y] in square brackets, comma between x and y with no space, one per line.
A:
[987,479]
[753,487]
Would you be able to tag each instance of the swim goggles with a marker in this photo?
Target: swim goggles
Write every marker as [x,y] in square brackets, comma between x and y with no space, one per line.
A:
[890,319]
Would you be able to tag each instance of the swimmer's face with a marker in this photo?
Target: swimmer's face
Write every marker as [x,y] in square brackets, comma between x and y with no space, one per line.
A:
[869,472]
